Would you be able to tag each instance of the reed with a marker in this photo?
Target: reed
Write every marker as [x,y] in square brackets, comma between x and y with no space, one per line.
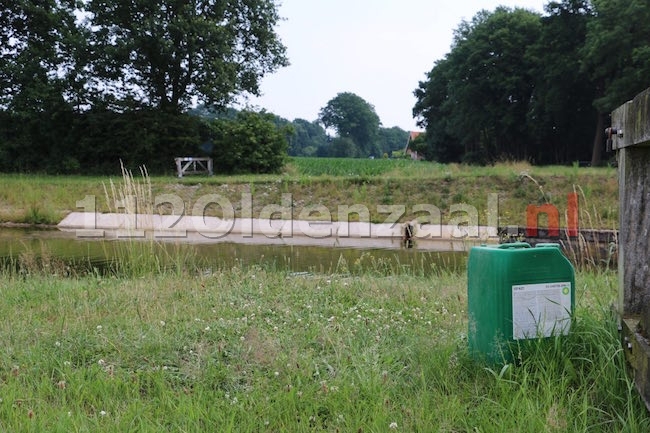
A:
[137,252]
[588,251]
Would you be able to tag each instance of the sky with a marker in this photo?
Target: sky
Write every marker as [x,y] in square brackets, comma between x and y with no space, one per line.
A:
[377,49]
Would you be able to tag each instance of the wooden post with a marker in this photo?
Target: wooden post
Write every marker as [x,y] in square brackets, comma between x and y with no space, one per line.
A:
[630,135]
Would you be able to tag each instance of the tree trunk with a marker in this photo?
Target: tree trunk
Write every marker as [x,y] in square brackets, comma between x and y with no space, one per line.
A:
[597,151]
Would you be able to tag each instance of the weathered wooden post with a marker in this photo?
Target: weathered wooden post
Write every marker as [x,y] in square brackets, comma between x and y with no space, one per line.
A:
[630,138]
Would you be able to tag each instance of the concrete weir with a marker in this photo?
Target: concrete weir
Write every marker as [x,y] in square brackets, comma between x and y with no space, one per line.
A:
[199,229]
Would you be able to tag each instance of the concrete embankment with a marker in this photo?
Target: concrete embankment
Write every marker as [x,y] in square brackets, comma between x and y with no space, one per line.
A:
[276,231]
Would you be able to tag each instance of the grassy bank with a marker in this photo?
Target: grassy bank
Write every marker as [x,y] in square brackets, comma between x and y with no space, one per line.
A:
[261,350]
[337,182]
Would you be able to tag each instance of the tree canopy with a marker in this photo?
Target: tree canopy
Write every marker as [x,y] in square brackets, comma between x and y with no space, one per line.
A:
[37,61]
[162,53]
[73,71]
[521,85]
[355,121]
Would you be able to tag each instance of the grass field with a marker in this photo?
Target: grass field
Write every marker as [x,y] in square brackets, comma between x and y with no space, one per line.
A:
[261,350]
[337,182]
[258,349]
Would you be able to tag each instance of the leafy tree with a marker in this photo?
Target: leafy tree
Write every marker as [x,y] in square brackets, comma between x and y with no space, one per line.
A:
[100,138]
[83,83]
[616,54]
[250,143]
[212,113]
[432,109]
[494,86]
[162,53]
[391,139]
[308,137]
[483,89]
[37,43]
[355,119]
[342,147]
[38,40]
[561,117]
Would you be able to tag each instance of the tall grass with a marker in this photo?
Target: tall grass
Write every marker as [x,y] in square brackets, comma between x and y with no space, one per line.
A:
[591,253]
[136,252]
[333,182]
[262,350]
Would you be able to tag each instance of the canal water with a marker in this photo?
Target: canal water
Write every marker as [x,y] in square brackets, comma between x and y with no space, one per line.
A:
[21,246]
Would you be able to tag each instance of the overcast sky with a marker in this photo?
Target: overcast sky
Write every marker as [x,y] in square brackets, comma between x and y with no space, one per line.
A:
[377,49]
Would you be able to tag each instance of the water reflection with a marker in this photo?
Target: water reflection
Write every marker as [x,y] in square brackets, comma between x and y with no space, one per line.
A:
[31,246]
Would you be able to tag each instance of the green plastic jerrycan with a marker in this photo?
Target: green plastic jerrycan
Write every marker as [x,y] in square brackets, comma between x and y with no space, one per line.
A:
[515,292]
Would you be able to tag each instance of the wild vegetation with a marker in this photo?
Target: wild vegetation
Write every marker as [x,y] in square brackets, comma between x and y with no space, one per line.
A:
[336,182]
[87,83]
[76,97]
[520,85]
[259,349]
[163,340]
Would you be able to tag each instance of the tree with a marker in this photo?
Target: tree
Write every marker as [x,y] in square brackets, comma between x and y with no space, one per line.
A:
[432,109]
[355,119]
[38,73]
[162,53]
[308,137]
[252,142]
[41,56]
[561,117]
[482,89]
[616,55]
[391,139]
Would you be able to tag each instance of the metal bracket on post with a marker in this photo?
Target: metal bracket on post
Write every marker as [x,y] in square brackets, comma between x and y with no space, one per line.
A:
[610,133]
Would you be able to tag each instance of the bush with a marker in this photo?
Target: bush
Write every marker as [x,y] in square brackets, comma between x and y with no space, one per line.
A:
[251,143]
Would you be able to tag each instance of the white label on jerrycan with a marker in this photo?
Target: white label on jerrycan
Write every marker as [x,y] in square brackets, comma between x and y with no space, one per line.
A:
[540,310]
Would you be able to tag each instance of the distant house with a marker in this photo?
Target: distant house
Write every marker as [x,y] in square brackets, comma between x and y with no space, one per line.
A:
[410,152]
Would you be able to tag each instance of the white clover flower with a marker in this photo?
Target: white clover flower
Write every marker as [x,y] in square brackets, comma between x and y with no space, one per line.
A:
[57,343]
[102,413]
[393,425]
[101,362]
[99,327]
[162,323]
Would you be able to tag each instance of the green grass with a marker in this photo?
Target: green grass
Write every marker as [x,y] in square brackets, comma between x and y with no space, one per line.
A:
[335,182]
[254,349]
[347,167]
